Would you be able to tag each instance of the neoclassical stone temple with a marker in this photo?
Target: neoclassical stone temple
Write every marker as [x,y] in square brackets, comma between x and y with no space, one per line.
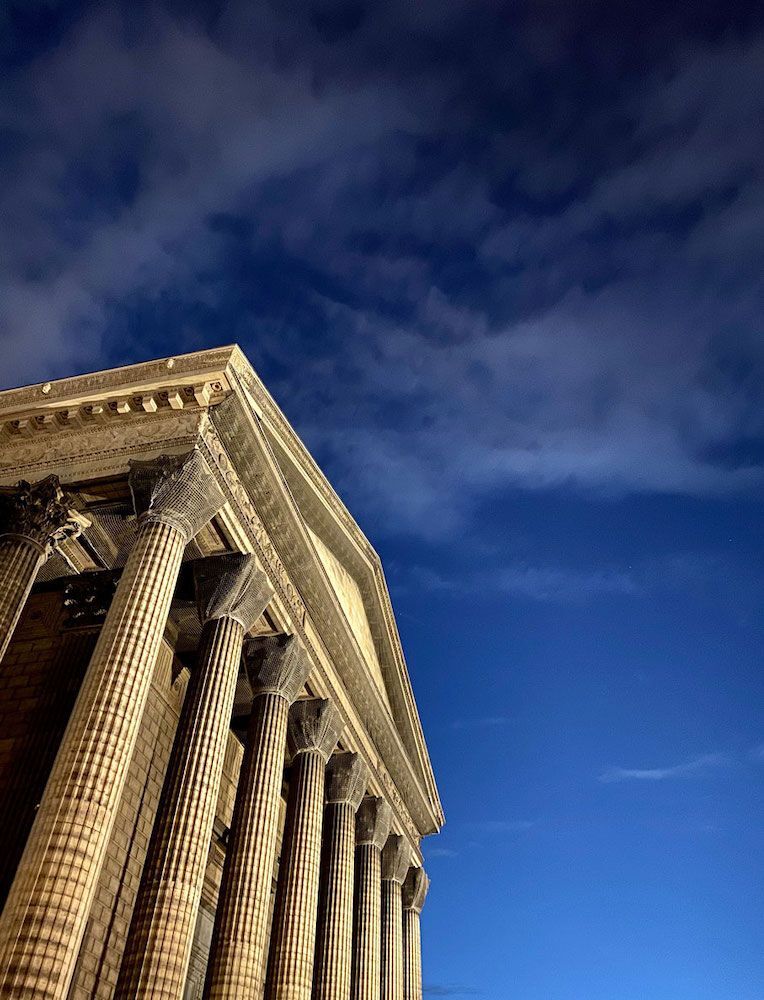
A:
[213,777]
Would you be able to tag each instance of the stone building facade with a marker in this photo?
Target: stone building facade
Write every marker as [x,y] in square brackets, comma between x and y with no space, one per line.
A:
[213,777]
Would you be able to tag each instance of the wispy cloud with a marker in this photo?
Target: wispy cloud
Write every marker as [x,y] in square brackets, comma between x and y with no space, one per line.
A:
[481,722]
[440,852]
[500,825]
[449,991]
[546,583]
[684,770]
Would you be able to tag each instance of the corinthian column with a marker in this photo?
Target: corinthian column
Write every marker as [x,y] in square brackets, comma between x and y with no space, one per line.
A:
[314,728]
[414,891]
[47,908]
[395,864]
[33,520]
[371,831]
[346,779]
[231,595]
[277,666]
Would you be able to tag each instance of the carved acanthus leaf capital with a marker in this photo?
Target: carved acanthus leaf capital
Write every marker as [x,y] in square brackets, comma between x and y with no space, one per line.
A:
[314,725]
[372,822]
[277,664]
[41,512]
[415,889]
[180,490]
[346,779]
[396,858]
[231,586]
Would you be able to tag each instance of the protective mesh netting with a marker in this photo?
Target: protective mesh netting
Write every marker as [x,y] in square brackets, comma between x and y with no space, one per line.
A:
[277,663]
[231,586]
[314,724]
[346,778]
[176,489]
[372,821]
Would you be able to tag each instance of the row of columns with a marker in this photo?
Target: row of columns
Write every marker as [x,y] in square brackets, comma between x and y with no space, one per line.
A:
[346,915]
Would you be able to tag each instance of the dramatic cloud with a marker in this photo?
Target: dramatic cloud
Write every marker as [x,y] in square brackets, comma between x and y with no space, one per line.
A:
[687,769]
[490,280]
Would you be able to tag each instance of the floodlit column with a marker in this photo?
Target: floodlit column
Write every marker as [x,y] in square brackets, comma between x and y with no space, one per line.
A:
[346,780]
[34,519]
[44,918]
[414,892]
[396,856]
[278,667]
[371,831]
[314,728]
[231,595]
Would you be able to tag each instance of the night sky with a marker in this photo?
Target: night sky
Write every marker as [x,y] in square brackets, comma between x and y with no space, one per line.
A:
[500,264]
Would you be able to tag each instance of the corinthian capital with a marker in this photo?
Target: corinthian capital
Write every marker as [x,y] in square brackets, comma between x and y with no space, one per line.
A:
[415,889]
[41,512]
[372,822]
[346,779]
[276,664]
[231,586]
[396,857]
[176,489]
[314,725]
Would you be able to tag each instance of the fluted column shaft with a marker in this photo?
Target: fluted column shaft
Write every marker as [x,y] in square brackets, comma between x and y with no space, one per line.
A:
[47,908]
[33,517]
[372,826]
[294,927]
[413,896]
[392,944]
[314,727]
[239,940]
[395,865]
[335,931]
[367,942]
[347,776]
[161,935]
[20,561]
[412,956]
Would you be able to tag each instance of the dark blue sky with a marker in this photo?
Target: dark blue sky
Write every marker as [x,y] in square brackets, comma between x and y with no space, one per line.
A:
[501,266]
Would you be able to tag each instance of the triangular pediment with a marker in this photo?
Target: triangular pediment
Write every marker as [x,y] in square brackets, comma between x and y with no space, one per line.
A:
[350,598]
